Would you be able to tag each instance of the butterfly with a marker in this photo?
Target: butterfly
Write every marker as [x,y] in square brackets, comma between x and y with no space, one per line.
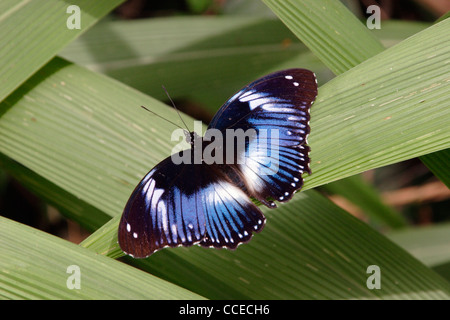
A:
[210,204]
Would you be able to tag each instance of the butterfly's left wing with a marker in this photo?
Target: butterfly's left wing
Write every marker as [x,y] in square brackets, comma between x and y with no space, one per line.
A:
[277,108]
[186,204]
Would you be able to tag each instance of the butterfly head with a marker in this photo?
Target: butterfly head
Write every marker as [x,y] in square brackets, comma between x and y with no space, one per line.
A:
[191,137]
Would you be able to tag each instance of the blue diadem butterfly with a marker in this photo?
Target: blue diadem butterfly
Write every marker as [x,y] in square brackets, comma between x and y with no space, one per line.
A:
[209,202]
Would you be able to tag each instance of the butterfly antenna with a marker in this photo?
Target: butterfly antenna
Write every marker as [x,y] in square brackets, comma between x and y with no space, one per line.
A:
[161,117]
[173,104]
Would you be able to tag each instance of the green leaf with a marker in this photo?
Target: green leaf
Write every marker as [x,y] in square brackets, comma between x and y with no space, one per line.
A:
[71,206]
[41,33]
[309,249]
[226,44]
[429,244]
[393,31]
[329,30]
[238,49]
[443,270]
[438,162]
[70,126]
[378,112]
[34,265]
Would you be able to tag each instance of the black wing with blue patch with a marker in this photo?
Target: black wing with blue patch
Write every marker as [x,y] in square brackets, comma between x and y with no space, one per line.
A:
[186,204]
[277,107]
[209,204]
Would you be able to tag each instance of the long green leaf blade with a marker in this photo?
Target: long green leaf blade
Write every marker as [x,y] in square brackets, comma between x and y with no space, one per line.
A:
[309,249]
[438,163]
[224,43]
[35,265]
[392,97]
[238,49]
[329,30]
[67,130]
[39,28]
[429,243]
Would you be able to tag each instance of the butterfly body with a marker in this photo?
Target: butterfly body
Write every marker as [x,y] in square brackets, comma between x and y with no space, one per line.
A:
[209,203]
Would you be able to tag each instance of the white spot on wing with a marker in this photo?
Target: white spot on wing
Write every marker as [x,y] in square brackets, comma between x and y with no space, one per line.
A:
[162,211]
[174,229]
[254,99]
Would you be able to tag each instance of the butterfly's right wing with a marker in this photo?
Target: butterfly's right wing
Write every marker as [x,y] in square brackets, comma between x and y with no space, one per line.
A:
[165,210]
[186,204]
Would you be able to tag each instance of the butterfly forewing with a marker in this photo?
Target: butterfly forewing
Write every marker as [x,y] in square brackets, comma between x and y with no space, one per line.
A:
[278,106]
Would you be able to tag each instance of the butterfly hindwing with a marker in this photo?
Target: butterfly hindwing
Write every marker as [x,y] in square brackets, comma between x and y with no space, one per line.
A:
[164,210]
[186,204]
[231,217]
